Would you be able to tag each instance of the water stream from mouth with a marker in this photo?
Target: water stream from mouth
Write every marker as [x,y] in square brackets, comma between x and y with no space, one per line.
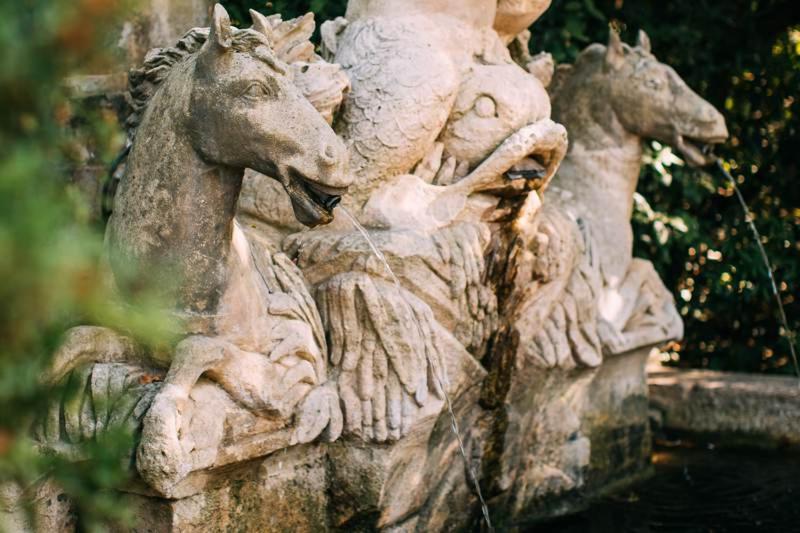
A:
[790,337]
[436,371]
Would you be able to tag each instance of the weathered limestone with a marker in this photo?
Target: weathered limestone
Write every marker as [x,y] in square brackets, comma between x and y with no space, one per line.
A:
[616,421]
[159,23]
[313,374]
[515,16]
[589,434]
[611,98]
[438,119]
[49,506]
[286,491]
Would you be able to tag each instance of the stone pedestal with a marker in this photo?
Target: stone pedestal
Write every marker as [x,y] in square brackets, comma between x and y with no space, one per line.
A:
[569,436]
[563,437]
[727,407]
[285,491]
[616,421]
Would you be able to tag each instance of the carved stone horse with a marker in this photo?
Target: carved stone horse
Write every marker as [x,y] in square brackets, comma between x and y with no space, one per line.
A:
[252,328]
[609,100]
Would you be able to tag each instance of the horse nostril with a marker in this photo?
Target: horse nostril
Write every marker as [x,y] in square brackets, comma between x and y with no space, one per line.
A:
[332,201]
[328,155]
[711,115]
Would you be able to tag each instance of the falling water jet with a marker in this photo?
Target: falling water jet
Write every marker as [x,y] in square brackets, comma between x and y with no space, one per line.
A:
[790,338]
[436,371]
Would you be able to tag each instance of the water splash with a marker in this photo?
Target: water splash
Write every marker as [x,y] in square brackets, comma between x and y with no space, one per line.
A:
[436,371]
[790,337]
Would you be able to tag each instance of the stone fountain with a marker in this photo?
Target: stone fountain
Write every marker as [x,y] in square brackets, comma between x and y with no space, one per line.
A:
[318,376]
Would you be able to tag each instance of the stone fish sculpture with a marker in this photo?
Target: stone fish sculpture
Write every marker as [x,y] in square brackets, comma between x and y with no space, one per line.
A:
[254,351]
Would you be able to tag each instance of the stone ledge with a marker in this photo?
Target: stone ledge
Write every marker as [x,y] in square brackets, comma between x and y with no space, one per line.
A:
[748,409]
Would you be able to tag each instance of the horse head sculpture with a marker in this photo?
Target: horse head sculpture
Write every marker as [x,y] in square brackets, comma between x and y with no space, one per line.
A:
[651,100]
[624,87]
[242,94]
[214,105]
[612,98]
[609,100]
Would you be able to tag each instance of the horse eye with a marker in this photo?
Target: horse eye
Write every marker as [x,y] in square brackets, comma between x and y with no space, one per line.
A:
[258,90]
[653,83]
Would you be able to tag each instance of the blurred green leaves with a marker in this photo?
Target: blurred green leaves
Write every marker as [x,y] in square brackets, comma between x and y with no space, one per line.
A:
[50,275]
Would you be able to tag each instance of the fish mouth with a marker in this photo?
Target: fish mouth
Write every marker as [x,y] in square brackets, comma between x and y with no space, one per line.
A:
[528,174]
[696,151]
[530,169]
[312,202]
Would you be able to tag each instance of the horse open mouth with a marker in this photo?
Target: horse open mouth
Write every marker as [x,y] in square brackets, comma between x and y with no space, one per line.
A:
[697,152]
[313,203]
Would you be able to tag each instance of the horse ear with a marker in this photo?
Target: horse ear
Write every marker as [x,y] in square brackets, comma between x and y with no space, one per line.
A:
[262,25]
[643,41]
[221,32]
[615,52]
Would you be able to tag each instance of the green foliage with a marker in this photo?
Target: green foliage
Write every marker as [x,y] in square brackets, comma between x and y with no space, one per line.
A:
[49,254]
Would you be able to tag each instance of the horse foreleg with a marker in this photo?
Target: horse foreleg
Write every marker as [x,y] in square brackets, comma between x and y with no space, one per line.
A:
[163,456]
[647,315]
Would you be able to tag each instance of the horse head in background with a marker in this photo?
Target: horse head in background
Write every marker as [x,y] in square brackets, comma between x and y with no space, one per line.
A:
[611,99]
[652,101]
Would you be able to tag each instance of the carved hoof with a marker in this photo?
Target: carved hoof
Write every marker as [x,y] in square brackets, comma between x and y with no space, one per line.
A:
[160,458]
[319,414]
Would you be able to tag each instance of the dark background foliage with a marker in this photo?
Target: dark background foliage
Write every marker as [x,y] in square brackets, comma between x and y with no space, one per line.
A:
[744,57]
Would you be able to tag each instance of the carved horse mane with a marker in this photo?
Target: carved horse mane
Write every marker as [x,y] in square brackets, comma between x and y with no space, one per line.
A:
[144,81]
[158,63]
